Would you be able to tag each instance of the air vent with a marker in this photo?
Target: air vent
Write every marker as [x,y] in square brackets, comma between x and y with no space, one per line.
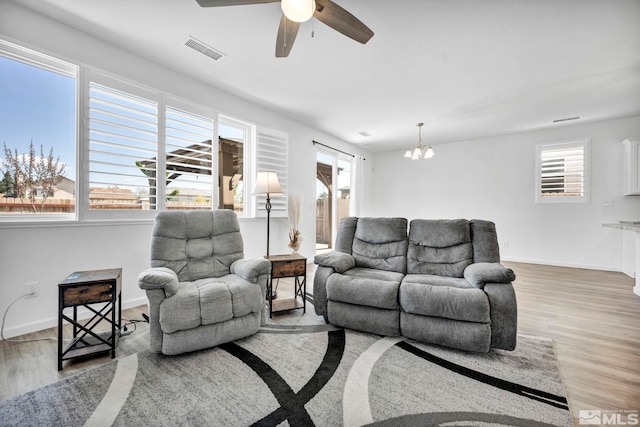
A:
[364,133]
[204,49]
[566,119]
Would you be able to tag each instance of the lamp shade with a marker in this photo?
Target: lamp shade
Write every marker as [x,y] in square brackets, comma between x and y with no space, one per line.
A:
[429,153]
[267,183]
[298,10]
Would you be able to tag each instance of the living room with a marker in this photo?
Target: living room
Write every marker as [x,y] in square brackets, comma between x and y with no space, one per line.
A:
[483,175]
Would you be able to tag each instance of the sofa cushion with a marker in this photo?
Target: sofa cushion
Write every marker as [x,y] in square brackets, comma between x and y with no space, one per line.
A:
[485,241]
[196,244]
[381,243]
[246,297]
[368,319]
[372,273]
[439,247]
[182,310]
[434,280]
[208,301]
[362,290]
[468,336]
[449,302]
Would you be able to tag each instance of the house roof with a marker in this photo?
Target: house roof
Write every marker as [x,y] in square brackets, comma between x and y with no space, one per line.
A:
[111,194]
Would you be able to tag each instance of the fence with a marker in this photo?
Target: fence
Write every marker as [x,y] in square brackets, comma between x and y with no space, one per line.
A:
[323,218]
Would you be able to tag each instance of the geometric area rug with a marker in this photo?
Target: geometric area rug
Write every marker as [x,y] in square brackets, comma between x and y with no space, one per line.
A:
[300,372]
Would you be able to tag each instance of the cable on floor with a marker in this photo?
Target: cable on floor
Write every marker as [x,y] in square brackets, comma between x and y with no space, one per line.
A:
[19,340]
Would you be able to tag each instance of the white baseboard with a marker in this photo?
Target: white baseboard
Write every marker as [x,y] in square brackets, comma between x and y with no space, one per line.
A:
[42,324]
[565,264]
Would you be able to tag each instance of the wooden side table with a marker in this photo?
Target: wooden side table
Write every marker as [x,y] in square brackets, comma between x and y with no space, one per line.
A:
[295,266]
[84,288]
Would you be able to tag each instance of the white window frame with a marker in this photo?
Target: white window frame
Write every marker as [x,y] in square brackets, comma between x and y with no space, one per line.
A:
[585,144]
[248,162]
[40,60]
[336,157]
[83,195]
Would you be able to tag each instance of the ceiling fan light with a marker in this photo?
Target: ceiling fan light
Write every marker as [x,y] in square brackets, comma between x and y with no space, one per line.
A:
[298,10]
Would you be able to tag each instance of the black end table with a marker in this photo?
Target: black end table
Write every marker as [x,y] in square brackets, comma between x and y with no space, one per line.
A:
[295,266]
[85,288]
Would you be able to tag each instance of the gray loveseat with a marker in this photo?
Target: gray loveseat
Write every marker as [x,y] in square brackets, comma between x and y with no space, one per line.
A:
[441,283]
[201,291]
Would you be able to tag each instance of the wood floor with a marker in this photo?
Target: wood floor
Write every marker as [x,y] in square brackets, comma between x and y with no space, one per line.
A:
[592,316]
[594,319]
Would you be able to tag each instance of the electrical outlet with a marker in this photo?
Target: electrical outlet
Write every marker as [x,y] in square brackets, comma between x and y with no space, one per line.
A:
[32,289]
[505,244]
[607,204]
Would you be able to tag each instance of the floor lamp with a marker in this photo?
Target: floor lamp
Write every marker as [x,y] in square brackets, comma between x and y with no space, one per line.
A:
[266,184]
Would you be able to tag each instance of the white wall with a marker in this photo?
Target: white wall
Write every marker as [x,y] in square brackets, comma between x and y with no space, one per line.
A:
[494,179]
[48,254]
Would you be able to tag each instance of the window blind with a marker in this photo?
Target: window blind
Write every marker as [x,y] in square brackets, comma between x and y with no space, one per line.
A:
[562,171]
[123,141]
[189,160]
[272,155]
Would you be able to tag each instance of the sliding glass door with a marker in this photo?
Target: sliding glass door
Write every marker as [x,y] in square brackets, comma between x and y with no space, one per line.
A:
[333,195]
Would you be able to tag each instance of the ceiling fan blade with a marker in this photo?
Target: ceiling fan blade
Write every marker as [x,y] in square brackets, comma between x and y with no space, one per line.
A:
[216,3]
[342,21]
[287,33]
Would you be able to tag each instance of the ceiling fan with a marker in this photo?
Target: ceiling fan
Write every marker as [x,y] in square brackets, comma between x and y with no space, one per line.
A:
[297,11]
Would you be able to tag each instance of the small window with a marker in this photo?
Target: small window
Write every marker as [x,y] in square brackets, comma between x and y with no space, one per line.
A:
[234,146]
[563,172]
[38,135]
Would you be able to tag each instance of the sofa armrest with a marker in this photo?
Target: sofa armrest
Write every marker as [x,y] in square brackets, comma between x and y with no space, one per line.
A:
[481,273]
[339,261]
[159,278]
[250,269]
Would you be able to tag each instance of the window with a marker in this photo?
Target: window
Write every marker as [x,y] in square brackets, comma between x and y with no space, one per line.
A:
[146,152]
[123,144]
[563,172]
[333,194]
[189,162]
[37,126]
[235,144]
[141,151]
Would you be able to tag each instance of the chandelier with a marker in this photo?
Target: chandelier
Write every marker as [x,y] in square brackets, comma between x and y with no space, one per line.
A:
[420,151]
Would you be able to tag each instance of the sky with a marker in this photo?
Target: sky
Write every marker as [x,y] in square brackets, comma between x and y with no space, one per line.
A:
[37,105]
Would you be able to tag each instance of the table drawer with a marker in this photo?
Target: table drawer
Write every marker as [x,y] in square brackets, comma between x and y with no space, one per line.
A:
[88,294]
[288,268]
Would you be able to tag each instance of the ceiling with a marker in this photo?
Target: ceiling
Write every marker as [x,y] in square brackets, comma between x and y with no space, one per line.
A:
[468,69]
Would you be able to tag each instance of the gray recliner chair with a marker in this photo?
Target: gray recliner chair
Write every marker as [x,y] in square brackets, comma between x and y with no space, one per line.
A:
[440,283]
[201,291]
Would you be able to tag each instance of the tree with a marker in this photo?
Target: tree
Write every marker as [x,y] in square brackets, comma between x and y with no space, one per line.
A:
[25,174]
[6,185]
